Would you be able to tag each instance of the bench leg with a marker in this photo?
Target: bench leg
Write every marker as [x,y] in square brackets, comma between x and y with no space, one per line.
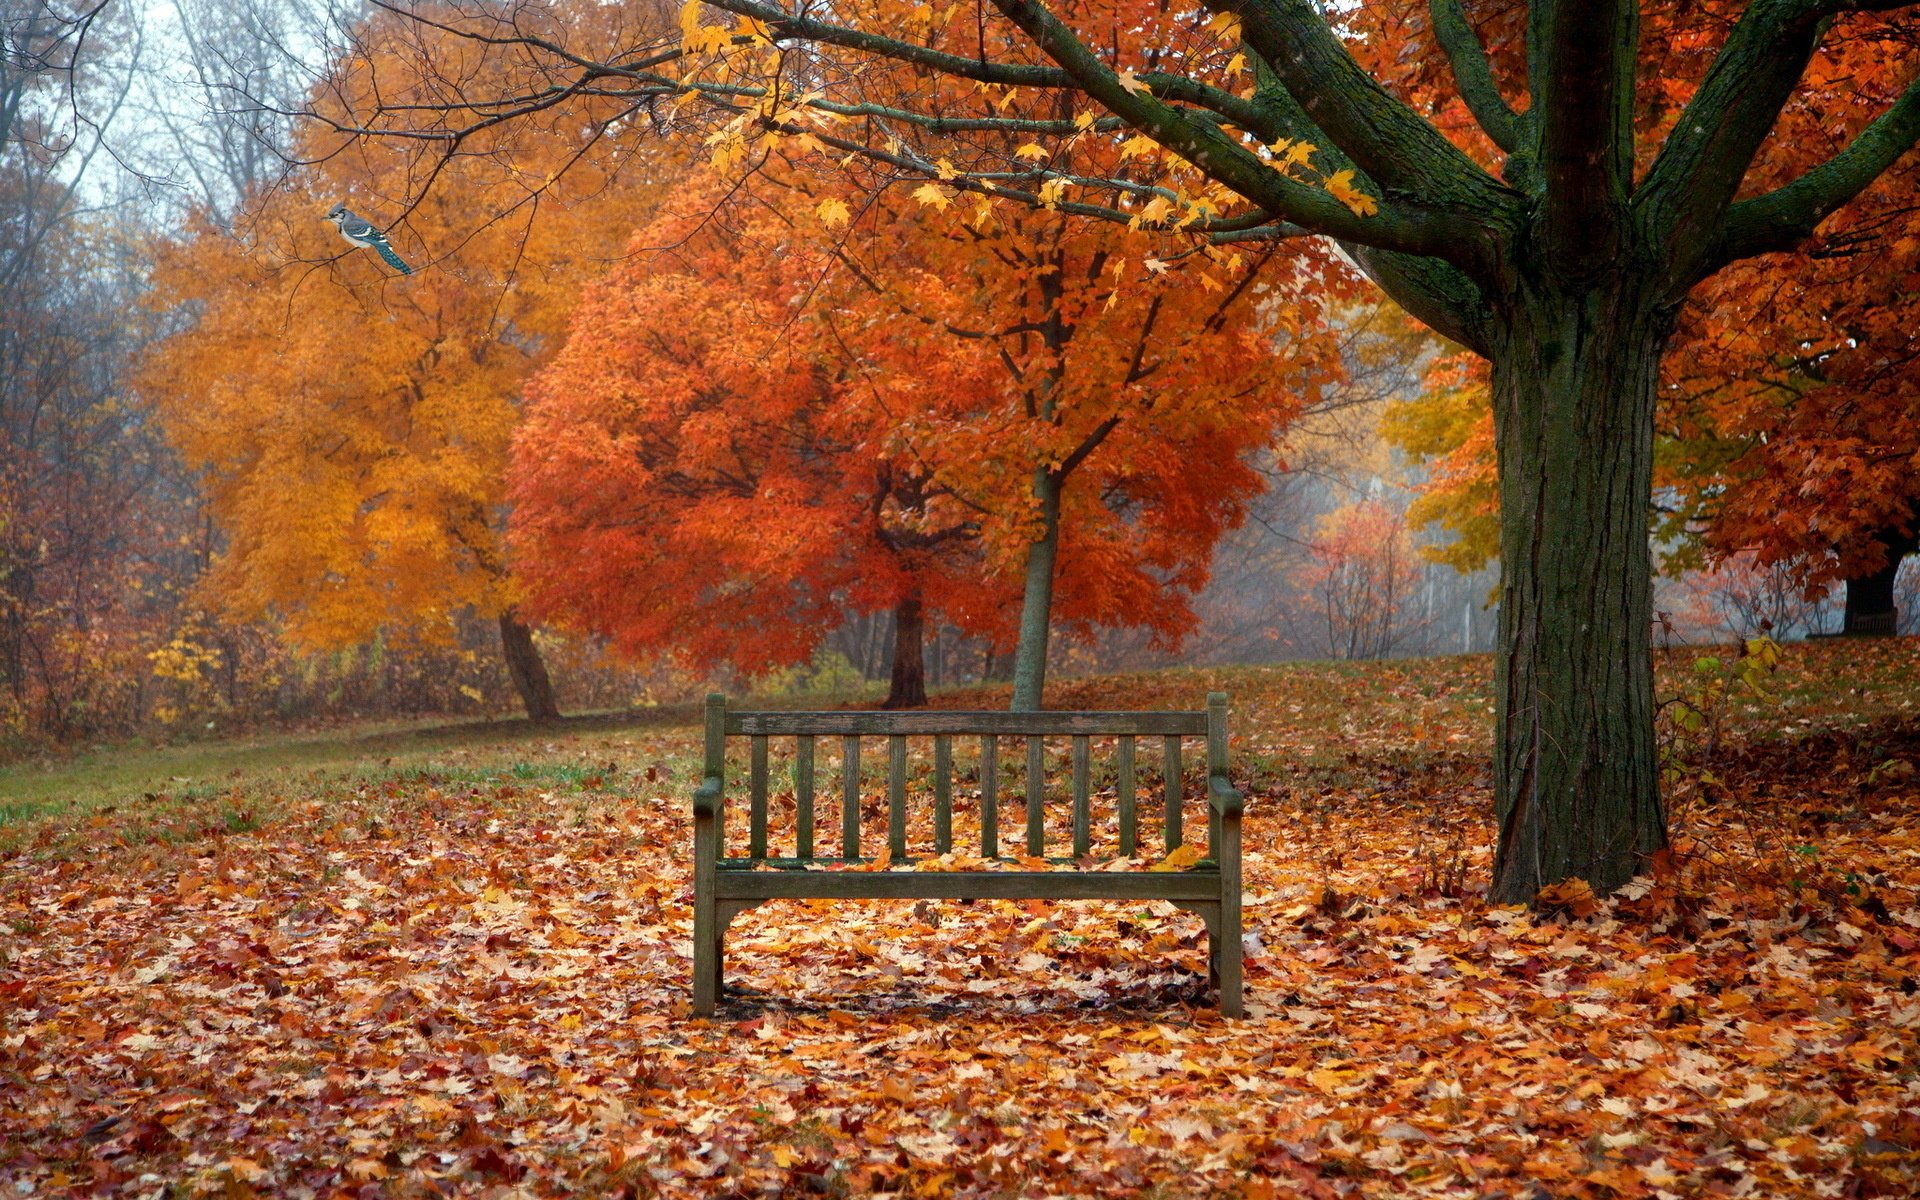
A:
[1226,952]
[707,936]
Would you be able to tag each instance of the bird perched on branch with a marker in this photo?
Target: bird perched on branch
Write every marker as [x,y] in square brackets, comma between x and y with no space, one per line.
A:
[360,232]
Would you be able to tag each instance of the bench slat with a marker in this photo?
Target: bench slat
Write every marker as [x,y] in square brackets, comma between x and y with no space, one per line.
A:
[757,816]
[897,796]
[1082,803]
[1216,764]
[1129,821]
[803,793]
[1198,884]
[1172,769]
[926,723]
[850,797]
[1036,796]
[942,794]
[989,797]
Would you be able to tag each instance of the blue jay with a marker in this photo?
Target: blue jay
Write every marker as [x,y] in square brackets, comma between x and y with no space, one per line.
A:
[360,232]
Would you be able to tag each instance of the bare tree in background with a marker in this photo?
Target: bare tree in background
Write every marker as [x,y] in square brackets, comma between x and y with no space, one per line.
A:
[224,106]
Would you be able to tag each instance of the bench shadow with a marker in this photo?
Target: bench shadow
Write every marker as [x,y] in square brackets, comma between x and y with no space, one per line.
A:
[1187,995]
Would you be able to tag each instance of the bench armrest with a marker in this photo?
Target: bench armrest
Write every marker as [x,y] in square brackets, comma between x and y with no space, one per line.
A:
[1226,799]
[707,797]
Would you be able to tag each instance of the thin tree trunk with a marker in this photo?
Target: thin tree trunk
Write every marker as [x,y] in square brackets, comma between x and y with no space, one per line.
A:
[908,687]
[1036,602]
[1576,776]
[1870,608]
[529,671]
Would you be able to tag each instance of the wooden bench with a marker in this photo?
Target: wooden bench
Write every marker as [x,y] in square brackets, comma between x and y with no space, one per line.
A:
[724,887]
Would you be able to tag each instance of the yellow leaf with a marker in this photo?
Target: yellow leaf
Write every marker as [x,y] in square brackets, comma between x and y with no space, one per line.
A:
[1226,25]
[1131,82]
[1191,853]
[1033,150]
[1137,145]
[1083,121]
[782,1157]
[1330,1081]
[1157,209]
[1236,64]
[1298,153]
[1052,190]
[933,194]
[1341,186]
[833,213]
[945,170]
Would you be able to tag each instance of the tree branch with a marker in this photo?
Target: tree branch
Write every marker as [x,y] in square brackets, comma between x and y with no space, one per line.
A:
[1585,53]
[1435,293]
[1176,88]
[1232,164]
[1474,76]
[1393,144]
[1788,215]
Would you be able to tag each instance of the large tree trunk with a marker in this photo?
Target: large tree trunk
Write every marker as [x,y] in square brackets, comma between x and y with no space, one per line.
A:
[1036,602]
[527,668]
[1576,777]
[908,687]
[1871,611]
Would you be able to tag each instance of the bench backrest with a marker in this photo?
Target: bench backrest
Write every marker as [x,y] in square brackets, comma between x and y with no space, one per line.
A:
[896,727]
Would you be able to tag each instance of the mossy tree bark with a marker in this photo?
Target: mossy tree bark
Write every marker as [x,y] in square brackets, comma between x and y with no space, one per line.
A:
[1577,782]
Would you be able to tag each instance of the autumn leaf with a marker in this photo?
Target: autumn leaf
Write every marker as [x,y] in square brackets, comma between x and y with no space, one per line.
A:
[1573,897]
[934,195]
[833,212]
[1340,184]
[1181,858]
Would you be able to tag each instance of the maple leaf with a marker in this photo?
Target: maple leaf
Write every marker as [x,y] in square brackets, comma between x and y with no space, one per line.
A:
[1340,183]
[1132,82]
[1032,150]
[833,212]
[1573,896]
[1181,858]
[934,195]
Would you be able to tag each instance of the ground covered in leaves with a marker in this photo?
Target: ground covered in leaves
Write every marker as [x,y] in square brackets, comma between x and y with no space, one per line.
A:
[463,970]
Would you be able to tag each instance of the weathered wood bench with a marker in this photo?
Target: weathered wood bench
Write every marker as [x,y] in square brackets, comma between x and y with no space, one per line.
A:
[724,887]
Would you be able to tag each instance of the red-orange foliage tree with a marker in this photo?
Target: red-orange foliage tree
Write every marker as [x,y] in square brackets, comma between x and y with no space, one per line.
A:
[688,480]
[790,417]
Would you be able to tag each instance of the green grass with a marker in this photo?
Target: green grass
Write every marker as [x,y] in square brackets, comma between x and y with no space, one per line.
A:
[261,772]
[1312,719]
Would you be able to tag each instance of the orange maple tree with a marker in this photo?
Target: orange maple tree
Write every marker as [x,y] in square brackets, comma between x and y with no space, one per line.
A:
[784,418]
[352,425]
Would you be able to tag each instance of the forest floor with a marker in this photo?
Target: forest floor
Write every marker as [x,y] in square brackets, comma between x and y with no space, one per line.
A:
[453,959]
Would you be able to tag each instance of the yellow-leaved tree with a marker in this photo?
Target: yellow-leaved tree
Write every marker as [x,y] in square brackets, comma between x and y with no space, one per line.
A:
[352,423]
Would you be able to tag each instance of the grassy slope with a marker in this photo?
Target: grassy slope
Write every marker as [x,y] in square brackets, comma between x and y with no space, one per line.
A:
[1289,717]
